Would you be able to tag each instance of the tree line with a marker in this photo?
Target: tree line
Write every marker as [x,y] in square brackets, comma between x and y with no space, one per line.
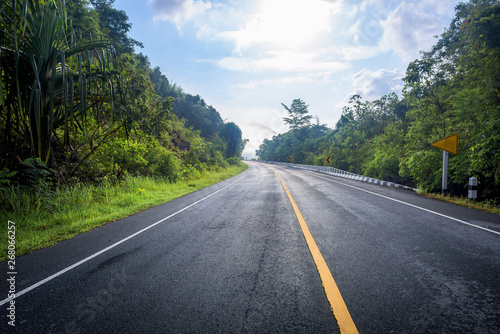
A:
[453,88]
[77,103]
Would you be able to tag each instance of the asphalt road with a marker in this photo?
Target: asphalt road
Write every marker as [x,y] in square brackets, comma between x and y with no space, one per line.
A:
[237,262]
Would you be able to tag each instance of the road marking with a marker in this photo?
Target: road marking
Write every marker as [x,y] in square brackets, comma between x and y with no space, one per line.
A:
[65,270]
[412,205]
[337,304]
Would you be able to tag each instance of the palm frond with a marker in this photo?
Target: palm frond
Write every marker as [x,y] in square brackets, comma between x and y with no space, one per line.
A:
[50,70]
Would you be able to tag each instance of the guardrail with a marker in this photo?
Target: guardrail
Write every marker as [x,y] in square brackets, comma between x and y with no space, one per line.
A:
[344,174]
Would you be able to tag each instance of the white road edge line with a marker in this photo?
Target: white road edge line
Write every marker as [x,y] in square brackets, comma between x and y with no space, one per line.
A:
[65,270]
[405,203]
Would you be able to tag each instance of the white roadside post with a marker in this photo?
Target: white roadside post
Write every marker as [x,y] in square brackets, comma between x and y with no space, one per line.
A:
[473,188]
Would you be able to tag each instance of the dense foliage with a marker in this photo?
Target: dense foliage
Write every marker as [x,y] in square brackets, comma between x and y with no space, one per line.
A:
[78,104]
[453,88]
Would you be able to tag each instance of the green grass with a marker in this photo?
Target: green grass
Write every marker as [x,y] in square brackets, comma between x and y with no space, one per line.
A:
[42,221]
[489,206]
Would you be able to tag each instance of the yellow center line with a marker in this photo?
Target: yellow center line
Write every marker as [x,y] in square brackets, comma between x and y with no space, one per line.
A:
[337,304]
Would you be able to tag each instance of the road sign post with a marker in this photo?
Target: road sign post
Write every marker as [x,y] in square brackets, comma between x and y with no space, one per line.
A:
[444,183]
[448,144]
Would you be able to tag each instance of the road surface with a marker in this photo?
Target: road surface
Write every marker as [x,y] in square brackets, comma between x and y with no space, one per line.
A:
[232,258]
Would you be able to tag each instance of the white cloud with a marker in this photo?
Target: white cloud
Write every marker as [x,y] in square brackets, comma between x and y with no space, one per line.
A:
[179,11]
[301,79]
[411,26]
[372,85]
[366,31]
[289,24]
[274,82]
[284,61]
[353,53]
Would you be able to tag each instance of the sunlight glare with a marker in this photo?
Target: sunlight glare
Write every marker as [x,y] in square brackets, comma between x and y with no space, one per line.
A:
[290,23]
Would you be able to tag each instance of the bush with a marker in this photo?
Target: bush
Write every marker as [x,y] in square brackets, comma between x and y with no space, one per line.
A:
[190,173]
[33,172]
[234,161]
[217,160]
[6,176]
[119,158]
[424,167]
[162,162]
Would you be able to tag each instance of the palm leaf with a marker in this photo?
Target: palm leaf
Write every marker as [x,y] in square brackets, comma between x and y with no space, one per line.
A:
[43,57]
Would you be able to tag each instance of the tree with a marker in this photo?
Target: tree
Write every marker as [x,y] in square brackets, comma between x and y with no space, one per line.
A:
[52,78]
[162,86]
[235,144]
[198,114]
[297,114]
[83,17]
[116,25]
[455,88]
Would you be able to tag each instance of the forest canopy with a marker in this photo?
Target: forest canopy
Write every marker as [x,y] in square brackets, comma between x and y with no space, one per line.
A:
[79,104]
[452,88]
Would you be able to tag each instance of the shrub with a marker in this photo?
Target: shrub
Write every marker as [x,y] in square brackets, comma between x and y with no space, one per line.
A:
[234,161]
[163,162]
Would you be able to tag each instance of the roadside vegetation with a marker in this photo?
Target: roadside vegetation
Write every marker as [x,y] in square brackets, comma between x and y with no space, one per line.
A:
[485,205]
[453,88]
[89,131]
[47,216]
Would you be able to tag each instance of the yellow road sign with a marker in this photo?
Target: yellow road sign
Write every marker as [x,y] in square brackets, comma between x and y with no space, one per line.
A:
[328,160]
[291,158]
[448,144]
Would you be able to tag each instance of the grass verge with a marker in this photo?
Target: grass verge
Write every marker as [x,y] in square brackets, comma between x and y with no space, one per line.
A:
[489,206]
[42,221]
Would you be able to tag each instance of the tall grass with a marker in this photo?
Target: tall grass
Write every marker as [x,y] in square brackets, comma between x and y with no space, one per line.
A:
[44,217]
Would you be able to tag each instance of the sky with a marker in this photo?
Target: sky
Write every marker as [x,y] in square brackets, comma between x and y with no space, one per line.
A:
[247,57]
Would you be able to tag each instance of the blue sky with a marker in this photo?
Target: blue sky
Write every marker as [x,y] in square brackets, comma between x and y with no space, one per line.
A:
[246,57]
